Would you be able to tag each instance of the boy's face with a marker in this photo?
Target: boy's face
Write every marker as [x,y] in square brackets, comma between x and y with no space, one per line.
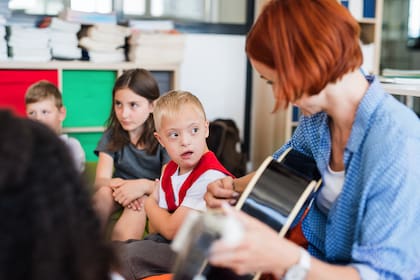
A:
[46,112]
[184,137]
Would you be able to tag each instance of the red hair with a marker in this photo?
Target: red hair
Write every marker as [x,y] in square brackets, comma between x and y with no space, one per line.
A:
[309,43]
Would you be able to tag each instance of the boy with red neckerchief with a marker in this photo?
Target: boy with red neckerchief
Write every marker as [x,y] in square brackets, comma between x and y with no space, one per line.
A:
[182,128]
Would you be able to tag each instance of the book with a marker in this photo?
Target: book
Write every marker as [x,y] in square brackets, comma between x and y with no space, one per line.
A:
[389,72]
[401,81]
[88,18]
[356,8]
[152,25]
[369,8]
[345,3]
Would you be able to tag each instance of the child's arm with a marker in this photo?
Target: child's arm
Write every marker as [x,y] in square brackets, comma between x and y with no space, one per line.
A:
[129,190]
[104,171]
[162,221]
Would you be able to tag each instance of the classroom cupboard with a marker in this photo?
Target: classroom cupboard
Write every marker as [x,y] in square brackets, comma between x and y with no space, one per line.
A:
[86,88]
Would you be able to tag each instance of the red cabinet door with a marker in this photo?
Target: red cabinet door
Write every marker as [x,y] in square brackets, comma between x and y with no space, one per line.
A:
[14,83]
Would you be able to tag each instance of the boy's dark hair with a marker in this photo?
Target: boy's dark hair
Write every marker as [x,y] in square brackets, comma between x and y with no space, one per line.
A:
[142,83]
[42,90]
[49,229]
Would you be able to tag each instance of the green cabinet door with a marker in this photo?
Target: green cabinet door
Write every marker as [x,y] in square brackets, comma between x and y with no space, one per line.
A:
[87,95]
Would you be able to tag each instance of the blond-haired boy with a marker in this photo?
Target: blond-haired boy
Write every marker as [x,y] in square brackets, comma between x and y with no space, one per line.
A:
[182,128]
[44,103]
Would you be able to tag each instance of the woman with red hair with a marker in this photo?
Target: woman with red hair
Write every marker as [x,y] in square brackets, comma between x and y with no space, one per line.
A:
[364,221]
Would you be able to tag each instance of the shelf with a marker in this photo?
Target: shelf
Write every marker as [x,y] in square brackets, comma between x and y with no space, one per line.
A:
[402,89]
[367,21]
[86,88]
[85,129]
[85,65]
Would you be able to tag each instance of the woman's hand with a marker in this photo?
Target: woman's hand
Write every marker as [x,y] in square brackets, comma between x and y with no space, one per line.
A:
[226,190]
[260,250]
[221,191]
[116,182]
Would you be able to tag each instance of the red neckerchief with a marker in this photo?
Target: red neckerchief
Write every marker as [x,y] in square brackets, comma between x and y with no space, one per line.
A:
[208,161]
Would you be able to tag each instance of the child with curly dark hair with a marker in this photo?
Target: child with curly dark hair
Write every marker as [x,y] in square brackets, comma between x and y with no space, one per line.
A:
[49,229]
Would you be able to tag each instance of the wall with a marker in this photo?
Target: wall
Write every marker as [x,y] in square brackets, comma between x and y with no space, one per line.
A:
[267,129]
[214,69]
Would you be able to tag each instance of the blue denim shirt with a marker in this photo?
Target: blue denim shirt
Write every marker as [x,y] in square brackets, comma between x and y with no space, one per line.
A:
[374,225]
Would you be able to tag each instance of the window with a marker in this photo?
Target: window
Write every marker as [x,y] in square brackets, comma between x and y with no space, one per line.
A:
[207,16]
[413,40]
[37,7]
[99,6]
[135,7]
[414,19]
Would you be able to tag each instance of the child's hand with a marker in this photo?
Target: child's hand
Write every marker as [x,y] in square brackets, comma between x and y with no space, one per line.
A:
[127,192]
[116,182]
[137,204]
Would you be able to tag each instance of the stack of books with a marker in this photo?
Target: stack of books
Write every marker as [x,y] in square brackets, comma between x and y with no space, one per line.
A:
[3,43]
[27,43]
[400,76]
[88,17]
[64,41]
[105,42]
[4,14]
[156,47]
[360,9]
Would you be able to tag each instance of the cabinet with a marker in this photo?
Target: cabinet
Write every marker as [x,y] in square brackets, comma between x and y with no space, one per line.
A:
[86,88]
[369,15]
[13,85]
[370,36]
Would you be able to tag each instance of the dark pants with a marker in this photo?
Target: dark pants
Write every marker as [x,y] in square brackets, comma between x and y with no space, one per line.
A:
[142,258]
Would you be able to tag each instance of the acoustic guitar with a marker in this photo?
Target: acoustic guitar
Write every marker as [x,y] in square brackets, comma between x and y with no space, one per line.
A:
[276,195]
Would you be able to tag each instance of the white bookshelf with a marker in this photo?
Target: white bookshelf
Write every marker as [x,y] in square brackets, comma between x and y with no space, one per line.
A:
[401,89]
[408,91]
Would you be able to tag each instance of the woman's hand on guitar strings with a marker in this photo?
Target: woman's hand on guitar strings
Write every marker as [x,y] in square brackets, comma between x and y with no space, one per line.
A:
[220,191]
[259,250]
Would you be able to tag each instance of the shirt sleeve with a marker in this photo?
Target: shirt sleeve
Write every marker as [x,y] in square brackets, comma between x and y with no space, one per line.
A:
[297,141]
[78,154]
[194,198]
[162,200]
[103,143]
[388,238]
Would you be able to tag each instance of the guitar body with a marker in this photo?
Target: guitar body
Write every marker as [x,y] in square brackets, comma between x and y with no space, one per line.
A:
[277,193]
[280,189]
